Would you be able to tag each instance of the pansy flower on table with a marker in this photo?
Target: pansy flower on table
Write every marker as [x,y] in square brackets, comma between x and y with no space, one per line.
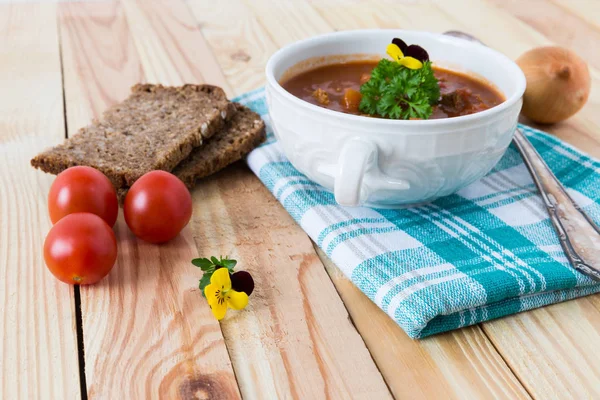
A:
[221,296]
[222,287]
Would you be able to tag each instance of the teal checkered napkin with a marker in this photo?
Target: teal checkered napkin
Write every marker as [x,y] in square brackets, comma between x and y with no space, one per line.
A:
[482,253]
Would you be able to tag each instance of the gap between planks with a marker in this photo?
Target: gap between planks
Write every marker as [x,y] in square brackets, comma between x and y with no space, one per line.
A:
[520,379]
[80,341]
[76,288]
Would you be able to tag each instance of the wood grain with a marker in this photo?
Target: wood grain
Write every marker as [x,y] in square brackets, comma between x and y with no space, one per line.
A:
[37,322]
[296,20]
[148,332]
[552,349]
[241,48]
[162,32]
[99,57]
[558,24]
[586,10]
[418,15]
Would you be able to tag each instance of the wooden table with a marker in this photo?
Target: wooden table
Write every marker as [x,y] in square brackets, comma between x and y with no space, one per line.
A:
[145,331]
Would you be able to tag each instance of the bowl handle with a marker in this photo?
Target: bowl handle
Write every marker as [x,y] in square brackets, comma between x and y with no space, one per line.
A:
[355,158]
[359,175]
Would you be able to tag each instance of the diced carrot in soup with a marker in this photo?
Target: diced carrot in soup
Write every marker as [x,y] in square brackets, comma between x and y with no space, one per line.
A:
[352,100]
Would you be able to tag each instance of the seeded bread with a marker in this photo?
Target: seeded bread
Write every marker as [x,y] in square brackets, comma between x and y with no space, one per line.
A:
[156,127]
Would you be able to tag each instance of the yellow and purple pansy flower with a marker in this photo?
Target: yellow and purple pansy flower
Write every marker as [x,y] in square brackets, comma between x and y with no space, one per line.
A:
[412,56]
[221,296]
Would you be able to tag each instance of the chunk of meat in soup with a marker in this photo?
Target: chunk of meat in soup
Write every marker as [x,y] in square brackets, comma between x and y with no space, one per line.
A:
[463,95]
[321,96]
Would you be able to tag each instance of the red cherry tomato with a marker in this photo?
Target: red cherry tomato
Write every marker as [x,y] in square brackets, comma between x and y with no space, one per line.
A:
[80,249]
[83,189]
[157,207]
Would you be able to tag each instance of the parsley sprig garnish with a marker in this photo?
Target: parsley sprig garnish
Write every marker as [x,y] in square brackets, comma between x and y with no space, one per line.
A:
[210,265]
[397,92]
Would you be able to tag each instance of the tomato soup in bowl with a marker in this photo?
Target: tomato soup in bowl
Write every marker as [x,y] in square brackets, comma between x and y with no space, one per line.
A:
[337,87]
[392,148]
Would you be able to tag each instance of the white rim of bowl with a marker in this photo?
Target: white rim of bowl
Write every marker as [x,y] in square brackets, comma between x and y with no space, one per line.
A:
[307,43]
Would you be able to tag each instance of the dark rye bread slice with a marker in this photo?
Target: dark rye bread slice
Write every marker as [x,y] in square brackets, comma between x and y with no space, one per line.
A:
[242,134]
[156,127]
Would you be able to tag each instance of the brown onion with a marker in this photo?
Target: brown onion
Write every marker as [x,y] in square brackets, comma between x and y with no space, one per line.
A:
[558,84]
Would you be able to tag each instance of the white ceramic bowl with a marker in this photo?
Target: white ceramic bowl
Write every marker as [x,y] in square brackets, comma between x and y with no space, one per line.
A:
[388,163]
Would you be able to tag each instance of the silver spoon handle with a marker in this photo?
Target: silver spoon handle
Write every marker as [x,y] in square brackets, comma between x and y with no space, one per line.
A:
[579,236]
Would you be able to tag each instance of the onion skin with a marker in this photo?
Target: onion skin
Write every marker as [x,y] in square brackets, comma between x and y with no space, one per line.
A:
[558,84]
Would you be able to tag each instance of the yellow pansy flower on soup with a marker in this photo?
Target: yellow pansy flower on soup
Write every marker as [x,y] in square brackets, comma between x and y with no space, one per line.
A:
[412,56]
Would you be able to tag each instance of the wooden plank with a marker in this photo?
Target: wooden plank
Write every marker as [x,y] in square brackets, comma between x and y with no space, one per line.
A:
[148,331]
[160,31]
[295,20]
[552,349]
[242,64]
[437,366]
[455,365]
[558,24]
[293,340]
[37,319]
[417,15]
[587,10]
